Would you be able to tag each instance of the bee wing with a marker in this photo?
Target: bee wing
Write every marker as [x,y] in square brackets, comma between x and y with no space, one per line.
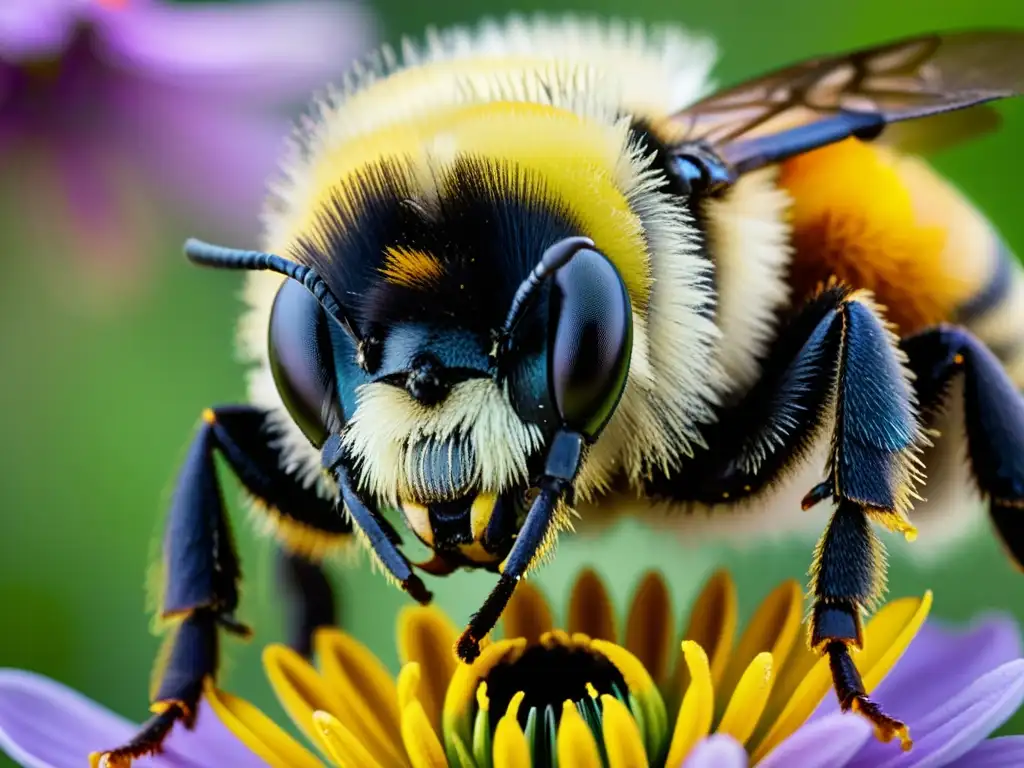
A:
[830,98]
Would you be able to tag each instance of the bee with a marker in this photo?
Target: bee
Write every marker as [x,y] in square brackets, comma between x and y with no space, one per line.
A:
[537,268]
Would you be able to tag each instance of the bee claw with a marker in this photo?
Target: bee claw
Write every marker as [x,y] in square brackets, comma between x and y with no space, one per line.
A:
[886,728]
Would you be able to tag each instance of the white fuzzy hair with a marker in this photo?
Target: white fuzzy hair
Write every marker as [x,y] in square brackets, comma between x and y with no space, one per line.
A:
[388,424]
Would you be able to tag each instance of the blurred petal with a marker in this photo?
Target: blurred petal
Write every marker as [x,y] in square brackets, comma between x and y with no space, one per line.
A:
[34,29]
[713,620]
[212,159]
[718,752]
[953,727]
[43,724]
[266,51]
[649,626]
[1007,752]
[528,614]
[590,608]
[825,743]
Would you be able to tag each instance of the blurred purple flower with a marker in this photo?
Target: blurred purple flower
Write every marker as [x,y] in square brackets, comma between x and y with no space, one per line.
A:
[115,112]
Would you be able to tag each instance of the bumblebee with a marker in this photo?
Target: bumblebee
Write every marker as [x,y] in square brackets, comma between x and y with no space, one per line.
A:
[538,269]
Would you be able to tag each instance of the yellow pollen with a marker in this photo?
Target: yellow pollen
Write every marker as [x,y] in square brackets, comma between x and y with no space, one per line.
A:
[209,416]
[591,691]
[958,359]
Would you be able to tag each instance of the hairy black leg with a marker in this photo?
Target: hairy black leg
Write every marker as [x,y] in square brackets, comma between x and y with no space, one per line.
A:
[993,416]
[200,565]
[560,468]
[834,359]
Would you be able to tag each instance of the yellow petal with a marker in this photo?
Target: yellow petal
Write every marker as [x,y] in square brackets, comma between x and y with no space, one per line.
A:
[649,626]
[339,742]
[258,732]
[652,706]
[698,707]
[888,634]
[425,635]
[712,625]
[576,746]
[462,690]
[300,689]
[774,628]
[590,608]
[622,739]
[408,684]
[528,614]
[421,742]
[794,669]
[510,747]
[748,700]
[367,690]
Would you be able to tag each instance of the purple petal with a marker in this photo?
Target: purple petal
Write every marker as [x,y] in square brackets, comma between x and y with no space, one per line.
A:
[1007,752]
[718,751]
[963,655]
[264,50]
[43,724]
[213,160]
[33,29]
[956,725]
[826,743]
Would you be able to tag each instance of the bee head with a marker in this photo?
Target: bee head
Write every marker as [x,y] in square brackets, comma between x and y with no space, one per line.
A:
[438,420]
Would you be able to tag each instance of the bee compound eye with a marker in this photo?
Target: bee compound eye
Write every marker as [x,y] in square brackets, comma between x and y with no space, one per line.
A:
[299,347]
[590,342]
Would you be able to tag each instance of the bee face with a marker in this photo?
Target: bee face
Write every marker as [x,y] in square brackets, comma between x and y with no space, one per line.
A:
[451,421]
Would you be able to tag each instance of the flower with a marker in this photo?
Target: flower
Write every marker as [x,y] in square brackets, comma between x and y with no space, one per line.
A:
[110,111]
[632,704]
[577,697]
[46,725]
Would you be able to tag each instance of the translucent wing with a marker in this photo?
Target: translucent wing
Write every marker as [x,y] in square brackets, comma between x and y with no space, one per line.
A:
[827,99]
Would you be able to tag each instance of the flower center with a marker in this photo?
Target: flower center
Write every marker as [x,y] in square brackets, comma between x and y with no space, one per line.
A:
[549,676]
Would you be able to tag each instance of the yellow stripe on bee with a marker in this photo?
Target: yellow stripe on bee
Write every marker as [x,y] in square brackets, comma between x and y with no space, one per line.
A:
[579,164]
[411,268]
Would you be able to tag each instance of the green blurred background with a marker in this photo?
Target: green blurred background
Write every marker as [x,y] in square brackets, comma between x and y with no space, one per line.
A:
[98,405]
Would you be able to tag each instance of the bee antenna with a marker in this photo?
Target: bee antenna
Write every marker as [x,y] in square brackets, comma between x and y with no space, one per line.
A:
[553,259]
[209,255]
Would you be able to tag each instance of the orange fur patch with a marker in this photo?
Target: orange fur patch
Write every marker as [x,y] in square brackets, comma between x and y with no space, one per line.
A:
[413,269]
[853,219]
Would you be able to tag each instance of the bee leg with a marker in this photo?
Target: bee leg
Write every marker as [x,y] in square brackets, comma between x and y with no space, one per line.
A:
[993,416]
[871,471]
[308,599]
[380,536]
[834,358]
[201,568]
[560,468]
